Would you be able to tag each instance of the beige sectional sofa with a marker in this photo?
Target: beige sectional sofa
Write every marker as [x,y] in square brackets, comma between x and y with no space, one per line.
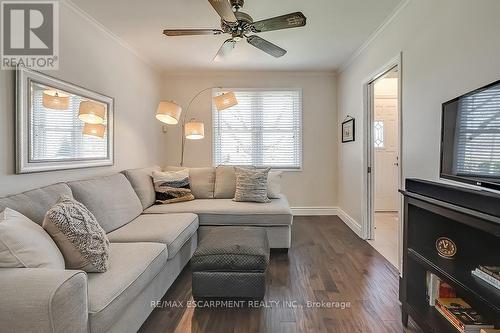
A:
[150,246]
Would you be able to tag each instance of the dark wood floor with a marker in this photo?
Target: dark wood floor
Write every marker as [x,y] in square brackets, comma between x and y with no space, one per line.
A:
[327,262]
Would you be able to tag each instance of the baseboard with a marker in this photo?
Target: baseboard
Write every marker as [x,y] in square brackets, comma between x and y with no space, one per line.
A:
[350,222]
[308,211]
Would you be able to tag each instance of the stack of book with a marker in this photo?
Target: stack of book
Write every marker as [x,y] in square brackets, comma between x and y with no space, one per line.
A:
[460,314]
[489,274]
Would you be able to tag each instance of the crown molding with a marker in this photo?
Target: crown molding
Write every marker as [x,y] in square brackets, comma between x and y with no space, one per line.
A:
[80,12]
[402,5]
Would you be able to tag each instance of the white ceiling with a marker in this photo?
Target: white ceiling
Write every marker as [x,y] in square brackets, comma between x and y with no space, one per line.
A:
[335,30]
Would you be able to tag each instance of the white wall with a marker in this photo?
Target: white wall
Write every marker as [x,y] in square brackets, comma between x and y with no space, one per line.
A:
[92,59]
[449,47]
[315,185]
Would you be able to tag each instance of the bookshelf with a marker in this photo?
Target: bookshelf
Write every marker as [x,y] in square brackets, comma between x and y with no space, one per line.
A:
[431,211]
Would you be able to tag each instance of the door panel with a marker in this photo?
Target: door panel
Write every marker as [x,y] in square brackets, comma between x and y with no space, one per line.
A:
[386,154]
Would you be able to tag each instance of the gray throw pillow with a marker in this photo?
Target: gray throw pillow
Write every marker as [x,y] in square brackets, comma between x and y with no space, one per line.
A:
[251,185]
[80,238]
[23,243]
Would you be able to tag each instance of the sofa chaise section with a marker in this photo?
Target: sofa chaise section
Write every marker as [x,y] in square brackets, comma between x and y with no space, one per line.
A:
[275,217]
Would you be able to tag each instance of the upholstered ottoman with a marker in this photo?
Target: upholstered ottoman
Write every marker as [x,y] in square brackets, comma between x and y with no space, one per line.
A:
[231,262]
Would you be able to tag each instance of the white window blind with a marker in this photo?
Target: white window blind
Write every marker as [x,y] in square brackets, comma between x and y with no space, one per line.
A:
[263,130]
[58,134]
[478,140]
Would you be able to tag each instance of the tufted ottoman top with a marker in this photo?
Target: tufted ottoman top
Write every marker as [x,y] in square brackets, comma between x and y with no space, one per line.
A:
[232,249]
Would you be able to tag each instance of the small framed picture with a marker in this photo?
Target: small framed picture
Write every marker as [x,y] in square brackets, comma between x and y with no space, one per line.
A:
[348,130]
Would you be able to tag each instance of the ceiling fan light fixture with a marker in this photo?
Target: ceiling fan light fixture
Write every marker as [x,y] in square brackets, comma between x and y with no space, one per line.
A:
[225,101]
[168,112]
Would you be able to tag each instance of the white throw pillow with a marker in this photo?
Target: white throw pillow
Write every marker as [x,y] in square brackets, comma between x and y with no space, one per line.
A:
[25,244]
[274,184]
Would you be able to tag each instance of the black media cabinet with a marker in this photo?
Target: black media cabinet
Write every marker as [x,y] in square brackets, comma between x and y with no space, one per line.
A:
[471,219]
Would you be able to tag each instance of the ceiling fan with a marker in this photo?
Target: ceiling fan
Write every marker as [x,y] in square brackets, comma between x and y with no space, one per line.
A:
[239,25]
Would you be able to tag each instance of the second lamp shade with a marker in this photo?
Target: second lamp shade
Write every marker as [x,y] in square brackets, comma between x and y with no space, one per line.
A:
[194,130]
[92,112]
[225,101]
[168,112]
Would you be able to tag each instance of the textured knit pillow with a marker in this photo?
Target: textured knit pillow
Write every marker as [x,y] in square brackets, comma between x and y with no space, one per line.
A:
[172,186]
[80,238]
[251,185]
[23,243]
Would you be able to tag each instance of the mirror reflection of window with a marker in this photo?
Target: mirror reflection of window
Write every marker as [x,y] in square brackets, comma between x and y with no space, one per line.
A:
[57,131]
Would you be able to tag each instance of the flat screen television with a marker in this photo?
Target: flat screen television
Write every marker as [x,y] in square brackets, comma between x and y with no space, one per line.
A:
[470,138]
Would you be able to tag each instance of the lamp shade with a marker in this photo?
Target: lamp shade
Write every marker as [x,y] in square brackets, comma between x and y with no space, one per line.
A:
[225,101]
[194,130]
[53,99]
[96,130]
[92,112]
[168,112]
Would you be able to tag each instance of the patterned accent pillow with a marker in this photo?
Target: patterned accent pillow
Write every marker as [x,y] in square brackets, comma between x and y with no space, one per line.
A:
[172,186]
[251,185]
[81,240]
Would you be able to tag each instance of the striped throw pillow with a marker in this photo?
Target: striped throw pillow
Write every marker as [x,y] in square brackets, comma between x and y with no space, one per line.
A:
[172,186]
[251,185]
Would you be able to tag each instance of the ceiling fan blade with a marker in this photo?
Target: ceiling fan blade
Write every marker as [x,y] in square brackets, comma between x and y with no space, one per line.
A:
[266,46]
[224,9]
[287,21]
[224,50]
[191,32]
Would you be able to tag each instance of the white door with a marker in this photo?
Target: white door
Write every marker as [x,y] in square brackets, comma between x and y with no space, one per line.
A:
[385,131]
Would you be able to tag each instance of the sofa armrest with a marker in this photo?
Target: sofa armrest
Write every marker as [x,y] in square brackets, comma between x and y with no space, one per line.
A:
[43,300]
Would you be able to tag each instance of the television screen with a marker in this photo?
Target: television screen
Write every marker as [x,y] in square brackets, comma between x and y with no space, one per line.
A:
[470,137]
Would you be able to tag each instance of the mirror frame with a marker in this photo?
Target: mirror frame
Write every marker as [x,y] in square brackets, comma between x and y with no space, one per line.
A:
[24,78]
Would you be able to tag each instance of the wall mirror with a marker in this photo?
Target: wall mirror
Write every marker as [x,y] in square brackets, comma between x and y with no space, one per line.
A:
[60,125]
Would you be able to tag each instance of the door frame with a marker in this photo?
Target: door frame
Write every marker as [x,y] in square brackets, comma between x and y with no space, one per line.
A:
[369,151]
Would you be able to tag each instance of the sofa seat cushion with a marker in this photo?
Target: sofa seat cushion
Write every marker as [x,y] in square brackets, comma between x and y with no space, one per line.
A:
[132,267]
[173,230]
[111,199]
[228,212]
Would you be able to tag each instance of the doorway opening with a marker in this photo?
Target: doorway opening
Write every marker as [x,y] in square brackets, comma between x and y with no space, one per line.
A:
[384,176]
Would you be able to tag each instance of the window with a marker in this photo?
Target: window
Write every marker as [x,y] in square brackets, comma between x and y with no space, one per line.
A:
[263,130]
[378,127]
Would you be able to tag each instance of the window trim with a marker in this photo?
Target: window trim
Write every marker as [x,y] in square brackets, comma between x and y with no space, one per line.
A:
[217,91]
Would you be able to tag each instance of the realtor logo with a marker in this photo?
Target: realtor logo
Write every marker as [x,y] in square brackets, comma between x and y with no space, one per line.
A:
[30,34]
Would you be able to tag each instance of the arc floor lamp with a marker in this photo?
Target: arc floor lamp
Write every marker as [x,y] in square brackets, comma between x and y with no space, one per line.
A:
[170,113]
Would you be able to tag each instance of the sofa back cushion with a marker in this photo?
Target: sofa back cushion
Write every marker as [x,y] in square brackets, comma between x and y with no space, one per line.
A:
[225,182]
[201,181]
[35,203]
[142,183]
[111,199]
